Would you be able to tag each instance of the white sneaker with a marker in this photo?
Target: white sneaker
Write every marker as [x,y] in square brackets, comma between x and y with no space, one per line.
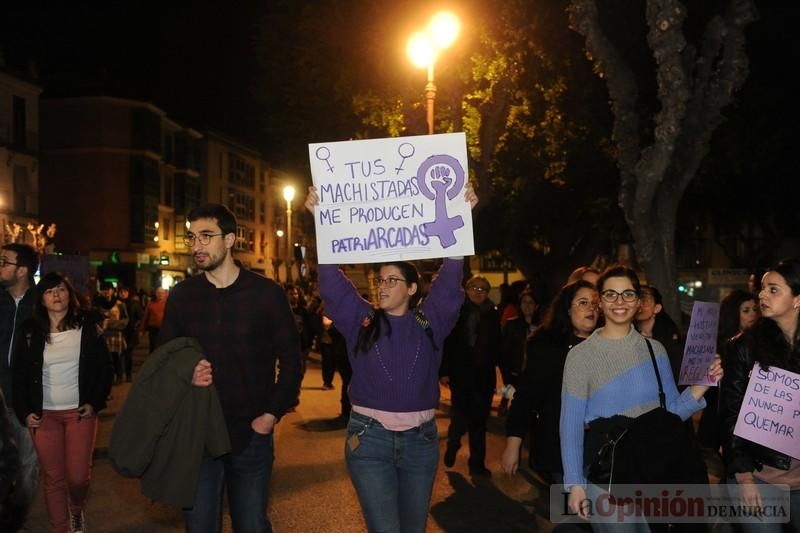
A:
[77,522]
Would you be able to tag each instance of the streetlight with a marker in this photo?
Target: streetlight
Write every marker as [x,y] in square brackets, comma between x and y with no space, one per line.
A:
[288,195]
[424,47]
[277,261]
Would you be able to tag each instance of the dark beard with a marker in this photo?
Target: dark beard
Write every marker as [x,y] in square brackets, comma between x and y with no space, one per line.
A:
[212,265]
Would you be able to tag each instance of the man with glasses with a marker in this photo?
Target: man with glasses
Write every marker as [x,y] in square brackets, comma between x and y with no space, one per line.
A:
[18,264]
[244,323]
[468,368]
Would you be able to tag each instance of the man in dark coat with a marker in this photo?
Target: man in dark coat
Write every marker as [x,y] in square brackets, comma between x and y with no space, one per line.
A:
[468,367]
[18,264]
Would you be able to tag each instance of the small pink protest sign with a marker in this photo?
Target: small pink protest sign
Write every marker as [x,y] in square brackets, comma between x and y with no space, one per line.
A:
[770,411]
[701,345]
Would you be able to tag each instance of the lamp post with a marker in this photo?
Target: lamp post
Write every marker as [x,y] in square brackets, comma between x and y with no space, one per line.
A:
[288,195]
[424,47]
[277,262]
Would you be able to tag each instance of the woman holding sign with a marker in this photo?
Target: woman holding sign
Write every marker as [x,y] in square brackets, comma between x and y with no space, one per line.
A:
[613,381]
[774,343]
[392,446]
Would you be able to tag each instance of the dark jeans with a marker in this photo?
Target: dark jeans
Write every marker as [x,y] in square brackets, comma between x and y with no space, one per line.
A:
[152,334]
[326,351]
[18,503]
[245,476]
[392,472]
[343,366]
[127,361]
[469,414]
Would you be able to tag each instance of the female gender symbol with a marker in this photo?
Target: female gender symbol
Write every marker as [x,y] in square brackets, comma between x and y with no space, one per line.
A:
[444,184]
[404,156]
[323,154]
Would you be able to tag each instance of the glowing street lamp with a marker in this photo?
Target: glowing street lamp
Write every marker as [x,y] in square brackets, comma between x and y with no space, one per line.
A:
[277,261]
[423,49]
[288,195]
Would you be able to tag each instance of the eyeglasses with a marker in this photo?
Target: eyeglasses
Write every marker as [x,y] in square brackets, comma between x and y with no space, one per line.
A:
[584,304]
[478,289]
[611,296]
[202,238]
[4,262]
[389,282]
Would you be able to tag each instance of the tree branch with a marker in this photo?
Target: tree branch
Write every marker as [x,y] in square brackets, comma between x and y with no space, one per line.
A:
[732,69]
[622,89]
[665,19]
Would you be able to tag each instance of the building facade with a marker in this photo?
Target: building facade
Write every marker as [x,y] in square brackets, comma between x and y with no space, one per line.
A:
[237,176]
[117,176]
[19,158]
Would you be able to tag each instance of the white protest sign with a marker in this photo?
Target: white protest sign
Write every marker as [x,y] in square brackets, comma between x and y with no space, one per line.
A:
[391,199]
[701,345]
[770,411]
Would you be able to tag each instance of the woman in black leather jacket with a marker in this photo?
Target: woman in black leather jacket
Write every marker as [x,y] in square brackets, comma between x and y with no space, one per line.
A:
[537,402]
[774,341]
[62,377]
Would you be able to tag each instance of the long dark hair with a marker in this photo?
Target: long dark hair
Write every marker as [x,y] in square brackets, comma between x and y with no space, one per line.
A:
[73,318]
[558,317]
[771,346]
[376,320]
[729,313]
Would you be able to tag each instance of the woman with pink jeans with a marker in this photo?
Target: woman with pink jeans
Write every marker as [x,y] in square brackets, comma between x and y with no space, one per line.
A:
[62,377]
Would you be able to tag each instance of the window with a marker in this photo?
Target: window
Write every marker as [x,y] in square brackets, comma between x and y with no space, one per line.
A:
[20,130]
[166,228]
[240,172]
[186,192]
[168,187]
[22,190]
[242,205]
[245,239]
[180,233]
[262,212]
[145,185]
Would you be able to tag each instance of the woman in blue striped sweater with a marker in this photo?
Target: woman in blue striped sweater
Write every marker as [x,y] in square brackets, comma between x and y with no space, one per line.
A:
[611,373]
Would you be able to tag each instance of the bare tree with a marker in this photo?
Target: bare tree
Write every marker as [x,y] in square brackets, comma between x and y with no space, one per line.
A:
[694,85]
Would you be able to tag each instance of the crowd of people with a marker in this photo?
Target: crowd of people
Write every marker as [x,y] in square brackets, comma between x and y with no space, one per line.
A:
[602,355]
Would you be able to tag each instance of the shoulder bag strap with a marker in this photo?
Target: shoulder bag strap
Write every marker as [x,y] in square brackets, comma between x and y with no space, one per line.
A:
[661,395]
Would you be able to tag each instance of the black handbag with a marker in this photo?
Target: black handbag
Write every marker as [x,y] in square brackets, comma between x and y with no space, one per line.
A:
[655,447]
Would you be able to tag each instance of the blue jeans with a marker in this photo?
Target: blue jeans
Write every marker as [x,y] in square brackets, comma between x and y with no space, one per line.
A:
[593,491]
[246,477]
[393,473]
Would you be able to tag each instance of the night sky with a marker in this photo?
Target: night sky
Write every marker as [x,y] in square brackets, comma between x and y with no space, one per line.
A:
[267,71]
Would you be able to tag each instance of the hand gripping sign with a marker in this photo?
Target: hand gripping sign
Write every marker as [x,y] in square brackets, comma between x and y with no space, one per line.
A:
[770,412]
[391,199]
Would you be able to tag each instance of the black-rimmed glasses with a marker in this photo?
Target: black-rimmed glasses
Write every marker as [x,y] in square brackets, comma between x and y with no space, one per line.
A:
[611,296]
[389,282]
[202,238]
[4,262]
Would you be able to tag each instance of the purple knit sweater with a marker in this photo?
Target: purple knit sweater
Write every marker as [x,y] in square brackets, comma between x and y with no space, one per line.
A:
[399,373]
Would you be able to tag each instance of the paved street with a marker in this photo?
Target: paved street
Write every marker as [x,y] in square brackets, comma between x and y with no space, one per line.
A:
[311,491]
